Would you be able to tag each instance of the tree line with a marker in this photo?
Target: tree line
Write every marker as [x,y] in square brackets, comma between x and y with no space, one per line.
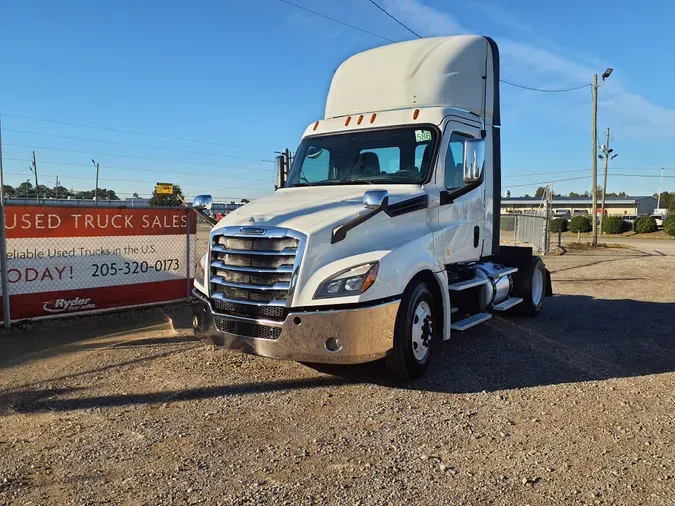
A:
[541,190]
[27,191]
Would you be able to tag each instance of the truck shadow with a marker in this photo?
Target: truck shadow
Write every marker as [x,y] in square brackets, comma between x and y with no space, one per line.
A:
[39,340]
[574,339]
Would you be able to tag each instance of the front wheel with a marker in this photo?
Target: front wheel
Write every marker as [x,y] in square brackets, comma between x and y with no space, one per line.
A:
[412,334]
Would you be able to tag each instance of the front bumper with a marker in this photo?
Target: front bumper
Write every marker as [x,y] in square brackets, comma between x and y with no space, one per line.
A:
[356,335]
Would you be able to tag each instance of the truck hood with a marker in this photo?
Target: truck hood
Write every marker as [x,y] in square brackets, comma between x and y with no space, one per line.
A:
[307,209]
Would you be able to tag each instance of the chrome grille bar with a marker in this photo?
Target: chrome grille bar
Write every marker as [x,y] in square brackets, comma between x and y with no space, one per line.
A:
[220,296]
[276,287]
[282,269]
[283,252]
[258,269]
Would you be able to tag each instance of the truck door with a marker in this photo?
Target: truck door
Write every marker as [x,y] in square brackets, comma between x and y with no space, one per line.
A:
[461,213]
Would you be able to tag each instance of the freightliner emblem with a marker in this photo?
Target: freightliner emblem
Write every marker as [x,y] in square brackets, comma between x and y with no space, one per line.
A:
[252,231]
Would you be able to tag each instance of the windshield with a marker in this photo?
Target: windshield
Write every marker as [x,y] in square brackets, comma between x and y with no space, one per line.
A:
[400,155]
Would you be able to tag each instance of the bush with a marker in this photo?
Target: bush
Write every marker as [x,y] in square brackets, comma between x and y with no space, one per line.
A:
[614,225]
[669,225]
[645,225]
[559,225]
[581,224]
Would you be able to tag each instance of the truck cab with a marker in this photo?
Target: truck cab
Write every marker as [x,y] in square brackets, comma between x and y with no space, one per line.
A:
[384,233]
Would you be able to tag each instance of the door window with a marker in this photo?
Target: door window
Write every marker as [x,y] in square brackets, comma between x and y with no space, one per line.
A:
[454,161]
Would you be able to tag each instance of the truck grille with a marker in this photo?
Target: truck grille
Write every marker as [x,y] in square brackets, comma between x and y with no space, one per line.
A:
[251,276]
[277,313]
[247,329]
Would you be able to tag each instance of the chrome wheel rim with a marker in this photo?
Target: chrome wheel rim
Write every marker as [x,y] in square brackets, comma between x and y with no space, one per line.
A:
[537,286]
[421,331]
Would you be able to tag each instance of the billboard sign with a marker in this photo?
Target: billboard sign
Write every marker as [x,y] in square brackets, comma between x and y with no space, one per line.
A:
[64,260]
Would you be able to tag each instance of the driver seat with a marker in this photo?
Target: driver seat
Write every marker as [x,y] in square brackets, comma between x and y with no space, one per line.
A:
[366,164]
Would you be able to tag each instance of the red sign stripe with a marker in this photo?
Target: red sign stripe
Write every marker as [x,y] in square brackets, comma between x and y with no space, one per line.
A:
[73,302]
[45,221]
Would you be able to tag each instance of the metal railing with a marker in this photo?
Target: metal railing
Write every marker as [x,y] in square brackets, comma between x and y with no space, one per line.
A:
[526,230]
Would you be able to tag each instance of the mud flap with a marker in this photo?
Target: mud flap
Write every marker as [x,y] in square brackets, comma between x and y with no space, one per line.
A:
[549,286]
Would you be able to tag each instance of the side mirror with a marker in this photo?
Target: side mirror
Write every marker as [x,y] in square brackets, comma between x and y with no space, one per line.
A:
[374,199]
[202,202]
[474,159]
[280,164]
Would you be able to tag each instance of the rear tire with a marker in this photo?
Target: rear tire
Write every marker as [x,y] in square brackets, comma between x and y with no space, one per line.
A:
[413,333]
[531,286]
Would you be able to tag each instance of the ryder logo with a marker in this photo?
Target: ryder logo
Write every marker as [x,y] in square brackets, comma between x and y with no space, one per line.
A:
[68,305]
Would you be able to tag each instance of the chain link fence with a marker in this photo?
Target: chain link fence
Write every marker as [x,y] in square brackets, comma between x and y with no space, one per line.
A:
[200,245]
[526,230]
[63,260]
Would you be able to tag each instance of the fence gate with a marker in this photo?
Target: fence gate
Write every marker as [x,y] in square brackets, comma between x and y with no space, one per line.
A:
[526,229]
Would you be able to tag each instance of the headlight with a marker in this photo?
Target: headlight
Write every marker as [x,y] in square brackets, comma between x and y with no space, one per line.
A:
[353,281]
[200,269]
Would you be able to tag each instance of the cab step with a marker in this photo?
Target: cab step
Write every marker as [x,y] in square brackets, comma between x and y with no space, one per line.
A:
[466,284]
[507,304]
[470,321]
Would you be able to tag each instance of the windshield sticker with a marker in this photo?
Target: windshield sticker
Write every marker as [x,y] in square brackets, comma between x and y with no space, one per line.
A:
[422,135]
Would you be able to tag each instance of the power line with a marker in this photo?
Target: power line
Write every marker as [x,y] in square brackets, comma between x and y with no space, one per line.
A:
[392,17]
[247,187]
[135,169]
[336,20]
[544,182]
[32,132]
[566,171]
[543,90]
[129,132]
[137,181]
[639,175]
[545,173]
[505,81]
[135,157]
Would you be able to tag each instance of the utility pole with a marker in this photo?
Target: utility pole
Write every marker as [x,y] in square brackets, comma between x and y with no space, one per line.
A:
[57,186]
[96,187]
[594,190]
[658,197]
[37,193]
[594,218]
[3,244]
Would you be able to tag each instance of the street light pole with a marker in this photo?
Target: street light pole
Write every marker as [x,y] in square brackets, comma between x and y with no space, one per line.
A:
[594,218]
[3,245]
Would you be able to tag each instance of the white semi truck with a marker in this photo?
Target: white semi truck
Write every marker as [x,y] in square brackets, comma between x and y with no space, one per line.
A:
[384,233]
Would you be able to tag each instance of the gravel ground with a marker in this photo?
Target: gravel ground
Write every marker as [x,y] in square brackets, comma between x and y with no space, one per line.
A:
[573,407]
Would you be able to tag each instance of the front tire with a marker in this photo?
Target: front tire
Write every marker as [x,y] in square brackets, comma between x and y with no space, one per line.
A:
[413,333]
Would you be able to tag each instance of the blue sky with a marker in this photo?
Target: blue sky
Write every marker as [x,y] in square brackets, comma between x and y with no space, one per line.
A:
[245,78]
